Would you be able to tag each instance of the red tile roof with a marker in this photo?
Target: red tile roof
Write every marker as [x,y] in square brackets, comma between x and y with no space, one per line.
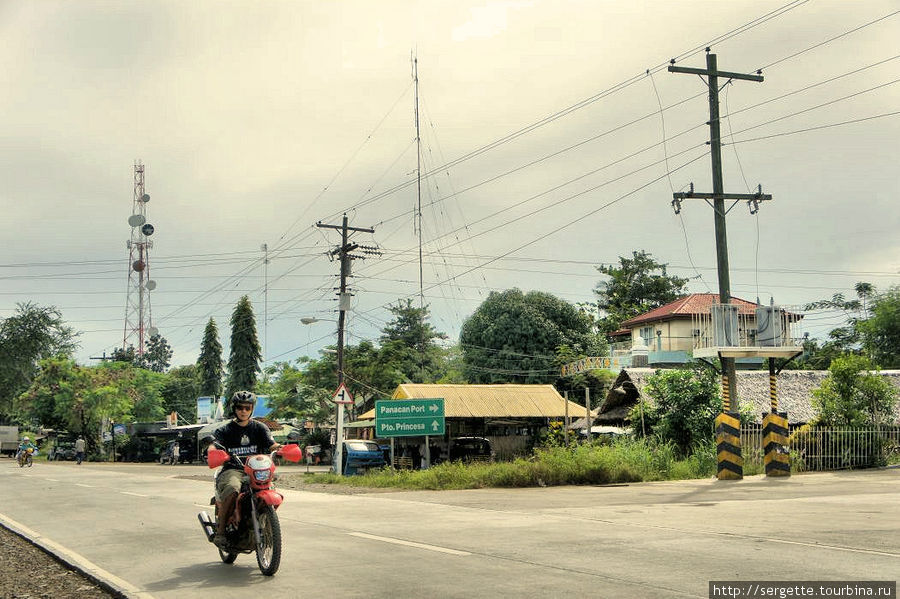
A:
[687,306]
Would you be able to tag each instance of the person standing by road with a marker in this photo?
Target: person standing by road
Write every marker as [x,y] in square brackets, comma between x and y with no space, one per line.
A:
[242,437]
[79,450]
[176,454]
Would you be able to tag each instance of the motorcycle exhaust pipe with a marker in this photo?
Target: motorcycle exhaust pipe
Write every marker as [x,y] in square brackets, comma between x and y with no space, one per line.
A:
[209,527]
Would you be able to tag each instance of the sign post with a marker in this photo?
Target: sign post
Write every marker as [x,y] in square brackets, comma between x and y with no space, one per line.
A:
[341,397]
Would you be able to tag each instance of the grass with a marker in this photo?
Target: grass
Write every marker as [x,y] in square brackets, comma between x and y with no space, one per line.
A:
[590,464]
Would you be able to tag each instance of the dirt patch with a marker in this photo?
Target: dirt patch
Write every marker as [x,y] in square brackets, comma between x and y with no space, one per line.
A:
[29,573]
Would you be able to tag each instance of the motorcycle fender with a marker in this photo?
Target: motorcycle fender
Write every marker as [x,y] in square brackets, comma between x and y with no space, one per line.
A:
[270,497]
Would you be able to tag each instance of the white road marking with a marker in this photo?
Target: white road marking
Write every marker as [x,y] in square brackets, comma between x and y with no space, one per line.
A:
[409,543]
[76,560]
[134,494]
[84,485]
[201,505]
[53,480]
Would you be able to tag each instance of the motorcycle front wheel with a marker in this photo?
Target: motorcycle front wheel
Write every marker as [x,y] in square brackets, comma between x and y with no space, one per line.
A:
[268,550]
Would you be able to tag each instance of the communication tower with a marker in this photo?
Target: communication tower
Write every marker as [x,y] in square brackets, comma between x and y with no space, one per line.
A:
[138,316]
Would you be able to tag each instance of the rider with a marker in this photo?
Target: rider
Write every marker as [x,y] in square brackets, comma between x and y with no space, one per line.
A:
[25,446]
[241,437]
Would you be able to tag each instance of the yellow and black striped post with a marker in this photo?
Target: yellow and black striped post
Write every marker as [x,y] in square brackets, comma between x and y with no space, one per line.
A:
[775,432]
[728,446]
[726,394]
[775,440]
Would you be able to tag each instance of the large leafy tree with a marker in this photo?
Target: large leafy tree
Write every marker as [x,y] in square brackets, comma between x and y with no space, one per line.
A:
[243,363]
[181,390]
[409,343]
[291,397]
[157,354]
[853,395]
[637,285]
[881,331]
[514,337]
[78,398]
[209,363]
[32,334]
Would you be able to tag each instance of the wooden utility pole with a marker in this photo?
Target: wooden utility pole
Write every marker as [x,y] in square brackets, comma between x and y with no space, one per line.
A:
[719,196]
[343,252]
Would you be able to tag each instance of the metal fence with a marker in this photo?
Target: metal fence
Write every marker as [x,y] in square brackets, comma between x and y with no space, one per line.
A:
[829,448]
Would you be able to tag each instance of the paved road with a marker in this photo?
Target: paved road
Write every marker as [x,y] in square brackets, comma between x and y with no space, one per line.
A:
[137,525]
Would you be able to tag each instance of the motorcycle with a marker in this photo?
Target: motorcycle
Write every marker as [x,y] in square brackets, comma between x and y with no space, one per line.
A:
[26,458]
[253,526]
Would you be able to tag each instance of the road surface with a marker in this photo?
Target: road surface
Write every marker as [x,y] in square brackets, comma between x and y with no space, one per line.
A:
[136,526]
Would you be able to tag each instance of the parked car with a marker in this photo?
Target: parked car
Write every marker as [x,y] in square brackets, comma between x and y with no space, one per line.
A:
[360,455]
[471,449]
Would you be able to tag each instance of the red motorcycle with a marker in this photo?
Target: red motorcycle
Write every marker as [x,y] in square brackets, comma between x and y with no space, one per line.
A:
[253,525]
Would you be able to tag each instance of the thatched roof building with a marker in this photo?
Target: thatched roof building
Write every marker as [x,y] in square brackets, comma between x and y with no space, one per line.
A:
[794,393]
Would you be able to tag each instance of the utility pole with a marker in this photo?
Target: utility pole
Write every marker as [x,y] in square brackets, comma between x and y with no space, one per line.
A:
[344,253]
[718,196]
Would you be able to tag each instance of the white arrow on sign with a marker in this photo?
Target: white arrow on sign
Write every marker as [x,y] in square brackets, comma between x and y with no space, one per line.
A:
[433,408]
[435,426]
[342,395]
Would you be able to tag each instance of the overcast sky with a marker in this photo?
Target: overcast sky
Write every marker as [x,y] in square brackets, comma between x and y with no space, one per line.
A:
[256,120]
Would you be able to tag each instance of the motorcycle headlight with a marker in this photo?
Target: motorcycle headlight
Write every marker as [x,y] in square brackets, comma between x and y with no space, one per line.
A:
[261,475]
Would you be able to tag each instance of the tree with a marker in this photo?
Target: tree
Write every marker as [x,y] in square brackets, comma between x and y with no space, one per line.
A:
[684,408]
[291,397]
[243,363]
[881,331]
[125,354]
[79,399]
[32,334]
[513,337]
[639,284]
[210,361]
[157,354]
[852,395]
[408,342]
[181,390]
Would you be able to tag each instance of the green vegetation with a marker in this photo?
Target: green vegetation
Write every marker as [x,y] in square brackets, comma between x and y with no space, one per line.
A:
[597,463]
[852,395]
[209,363]
[243,363]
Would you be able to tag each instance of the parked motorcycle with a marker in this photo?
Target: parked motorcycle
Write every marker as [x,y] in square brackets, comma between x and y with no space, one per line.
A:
[26,458]
[253,525]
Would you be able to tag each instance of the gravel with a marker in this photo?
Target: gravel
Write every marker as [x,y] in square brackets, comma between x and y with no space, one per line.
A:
[27,572]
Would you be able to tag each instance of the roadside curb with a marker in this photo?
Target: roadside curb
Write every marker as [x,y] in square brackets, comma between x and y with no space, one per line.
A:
[107,580]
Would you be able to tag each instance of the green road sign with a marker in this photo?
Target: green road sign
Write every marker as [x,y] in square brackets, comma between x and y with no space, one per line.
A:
[409,417]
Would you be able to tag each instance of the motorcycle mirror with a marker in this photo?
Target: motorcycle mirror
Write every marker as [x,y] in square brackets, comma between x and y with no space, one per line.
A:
[216,457]
[292,453]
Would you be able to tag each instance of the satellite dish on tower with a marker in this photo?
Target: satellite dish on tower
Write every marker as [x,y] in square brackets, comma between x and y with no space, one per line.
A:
[153,331]
[136,220]
[138,265]
[147,229]
[145,198]
[150,285]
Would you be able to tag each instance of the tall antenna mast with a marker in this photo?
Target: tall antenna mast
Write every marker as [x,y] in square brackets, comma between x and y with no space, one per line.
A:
[138,315]
[418,180]
[419,220]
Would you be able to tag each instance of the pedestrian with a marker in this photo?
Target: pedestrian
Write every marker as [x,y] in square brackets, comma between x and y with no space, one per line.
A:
[176,453]
[79,450]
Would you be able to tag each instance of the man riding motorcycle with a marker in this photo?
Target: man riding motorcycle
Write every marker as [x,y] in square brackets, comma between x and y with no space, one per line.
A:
[25,446]
[241,437]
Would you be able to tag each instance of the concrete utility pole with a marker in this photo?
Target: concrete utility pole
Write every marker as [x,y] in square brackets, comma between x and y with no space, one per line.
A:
[343,252]
[719,196]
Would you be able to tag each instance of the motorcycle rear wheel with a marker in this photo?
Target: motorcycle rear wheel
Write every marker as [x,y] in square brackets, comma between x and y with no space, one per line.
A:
[268,550]
[227,557]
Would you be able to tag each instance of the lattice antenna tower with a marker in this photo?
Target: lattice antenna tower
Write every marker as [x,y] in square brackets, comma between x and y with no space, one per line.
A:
[138,316]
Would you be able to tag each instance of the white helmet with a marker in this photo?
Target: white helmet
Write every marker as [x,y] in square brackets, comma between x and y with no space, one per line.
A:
[25,439]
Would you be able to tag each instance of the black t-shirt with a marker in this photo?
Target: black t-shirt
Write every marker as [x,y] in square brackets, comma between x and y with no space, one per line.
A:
[243,441]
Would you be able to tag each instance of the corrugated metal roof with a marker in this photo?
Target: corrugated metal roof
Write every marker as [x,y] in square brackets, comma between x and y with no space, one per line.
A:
[490,401]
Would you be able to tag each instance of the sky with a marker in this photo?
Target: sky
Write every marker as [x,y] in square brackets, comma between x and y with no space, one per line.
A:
[551,140]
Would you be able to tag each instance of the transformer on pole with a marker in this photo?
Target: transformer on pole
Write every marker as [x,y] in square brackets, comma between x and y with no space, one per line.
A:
[138,316]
